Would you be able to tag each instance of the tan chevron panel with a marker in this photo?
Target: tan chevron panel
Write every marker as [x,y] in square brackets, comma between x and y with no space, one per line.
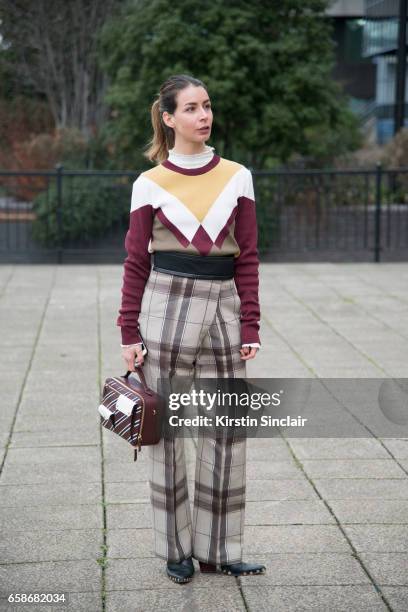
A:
[197,192]
[165,240]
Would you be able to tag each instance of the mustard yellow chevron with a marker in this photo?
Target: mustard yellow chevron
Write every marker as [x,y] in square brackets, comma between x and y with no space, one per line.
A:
[197,192]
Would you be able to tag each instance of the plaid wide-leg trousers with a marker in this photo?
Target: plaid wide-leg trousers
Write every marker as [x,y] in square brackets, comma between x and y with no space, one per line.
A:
[191,328]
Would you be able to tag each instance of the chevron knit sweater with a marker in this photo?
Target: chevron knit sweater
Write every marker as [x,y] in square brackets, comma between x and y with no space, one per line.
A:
[201,210]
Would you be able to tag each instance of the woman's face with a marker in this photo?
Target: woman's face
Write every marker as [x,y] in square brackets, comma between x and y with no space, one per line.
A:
[193,113]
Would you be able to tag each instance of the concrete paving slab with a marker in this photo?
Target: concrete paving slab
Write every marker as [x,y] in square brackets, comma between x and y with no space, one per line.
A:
[279,489]
[61,433]
[397,447]
[387,568]
[287,512]
[305,598]
[147,574]
[154,600]
[300,538]
[129,515]
[338,448]
[50,545]
[4,436]
[50,494]
[378,538]
[46,473]
[75,602]
[334,320]
[132,493]
[52,455]
[378,510]
[51,517]
[51,577]
[397,597]
[125,471]
[130,543]
[273,469]
[353,468]
[348,488]
[307,569]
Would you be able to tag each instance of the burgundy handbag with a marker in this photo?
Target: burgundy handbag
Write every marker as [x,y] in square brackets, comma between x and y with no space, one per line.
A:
[132,410]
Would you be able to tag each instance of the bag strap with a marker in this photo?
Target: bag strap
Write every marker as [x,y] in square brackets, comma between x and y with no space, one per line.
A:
[139,371]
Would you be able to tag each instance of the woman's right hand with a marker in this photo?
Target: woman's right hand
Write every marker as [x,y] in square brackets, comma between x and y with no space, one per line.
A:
[132,353]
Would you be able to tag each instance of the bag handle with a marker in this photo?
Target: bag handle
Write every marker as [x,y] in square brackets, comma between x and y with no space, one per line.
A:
[142,379]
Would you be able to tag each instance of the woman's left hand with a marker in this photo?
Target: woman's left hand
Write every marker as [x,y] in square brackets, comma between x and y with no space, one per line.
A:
[248,352]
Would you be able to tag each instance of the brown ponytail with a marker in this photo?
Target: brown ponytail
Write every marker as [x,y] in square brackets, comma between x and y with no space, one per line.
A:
[163,136]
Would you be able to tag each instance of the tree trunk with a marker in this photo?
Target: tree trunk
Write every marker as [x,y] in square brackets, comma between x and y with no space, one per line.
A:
[55,48]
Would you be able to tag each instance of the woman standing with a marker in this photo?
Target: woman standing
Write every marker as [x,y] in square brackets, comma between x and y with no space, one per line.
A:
[194,314]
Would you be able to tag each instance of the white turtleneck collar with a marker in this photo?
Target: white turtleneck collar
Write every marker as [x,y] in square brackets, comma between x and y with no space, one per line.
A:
[193,160]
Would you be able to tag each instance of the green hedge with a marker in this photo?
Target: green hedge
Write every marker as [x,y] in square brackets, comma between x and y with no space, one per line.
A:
[90,207]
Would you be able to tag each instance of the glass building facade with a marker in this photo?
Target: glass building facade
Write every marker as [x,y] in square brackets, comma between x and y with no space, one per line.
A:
[380,42]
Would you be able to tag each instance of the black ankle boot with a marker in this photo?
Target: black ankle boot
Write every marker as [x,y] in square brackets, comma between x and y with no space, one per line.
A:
[243,569]
[180,572]
[234,569]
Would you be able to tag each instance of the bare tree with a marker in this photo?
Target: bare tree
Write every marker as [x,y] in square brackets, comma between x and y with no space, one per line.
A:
[55,46]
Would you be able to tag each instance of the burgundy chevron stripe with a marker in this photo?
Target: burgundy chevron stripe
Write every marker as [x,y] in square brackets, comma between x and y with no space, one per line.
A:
[180,237]
[193,171]
[202,241]
[225,230]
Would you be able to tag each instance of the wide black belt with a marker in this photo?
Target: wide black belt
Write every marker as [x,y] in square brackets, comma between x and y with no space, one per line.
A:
[211,267]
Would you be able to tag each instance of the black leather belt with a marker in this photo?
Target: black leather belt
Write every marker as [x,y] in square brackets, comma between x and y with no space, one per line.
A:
[210,267]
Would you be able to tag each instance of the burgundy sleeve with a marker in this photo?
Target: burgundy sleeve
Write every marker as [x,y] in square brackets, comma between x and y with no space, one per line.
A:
[246,265]
[136,267]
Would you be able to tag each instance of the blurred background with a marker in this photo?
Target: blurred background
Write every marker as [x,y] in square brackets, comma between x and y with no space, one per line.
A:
[309,94]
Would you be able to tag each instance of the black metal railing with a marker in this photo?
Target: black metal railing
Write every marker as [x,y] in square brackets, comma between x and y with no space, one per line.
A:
[343,215]
[64,215]
[315,215]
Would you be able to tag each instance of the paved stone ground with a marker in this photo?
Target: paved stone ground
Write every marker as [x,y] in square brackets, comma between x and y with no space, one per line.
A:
[328,517]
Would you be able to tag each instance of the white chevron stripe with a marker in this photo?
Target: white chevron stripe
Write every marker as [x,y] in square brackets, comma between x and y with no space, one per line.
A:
[223,206]
[146,191]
